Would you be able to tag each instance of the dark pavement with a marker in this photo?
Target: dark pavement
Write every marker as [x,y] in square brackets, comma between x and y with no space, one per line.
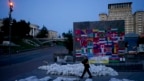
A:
[136,76]
[30,55]
[25,62]
[27,71]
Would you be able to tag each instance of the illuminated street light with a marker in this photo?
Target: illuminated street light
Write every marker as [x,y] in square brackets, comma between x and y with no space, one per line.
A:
[11,5]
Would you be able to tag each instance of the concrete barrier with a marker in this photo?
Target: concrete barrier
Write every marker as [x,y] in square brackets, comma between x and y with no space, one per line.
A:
[62,58]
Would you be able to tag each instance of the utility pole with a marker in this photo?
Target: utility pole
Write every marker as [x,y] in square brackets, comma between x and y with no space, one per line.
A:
[10,23]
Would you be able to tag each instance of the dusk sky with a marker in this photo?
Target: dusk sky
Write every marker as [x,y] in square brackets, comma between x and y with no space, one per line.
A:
[59,15]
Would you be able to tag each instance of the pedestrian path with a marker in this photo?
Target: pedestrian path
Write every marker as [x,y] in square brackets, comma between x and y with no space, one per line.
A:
[42,74]
[68,78]
[39,75]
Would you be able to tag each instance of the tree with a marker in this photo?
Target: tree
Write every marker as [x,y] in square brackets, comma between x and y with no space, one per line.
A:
[68,42]
[43,33]
[19,29]
[1,37]
[5,27]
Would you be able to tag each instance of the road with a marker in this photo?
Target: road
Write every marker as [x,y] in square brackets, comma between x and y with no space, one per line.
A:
[13,65]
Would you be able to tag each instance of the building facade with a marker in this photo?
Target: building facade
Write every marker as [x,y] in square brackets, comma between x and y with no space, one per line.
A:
[34,30]
[52,34]
[139,22]
[120,11]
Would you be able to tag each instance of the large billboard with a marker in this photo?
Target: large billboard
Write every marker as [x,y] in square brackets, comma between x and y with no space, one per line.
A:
[99,39]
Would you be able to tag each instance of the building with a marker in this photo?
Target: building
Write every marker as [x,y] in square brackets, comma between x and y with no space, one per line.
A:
[103,17]
[120,11]
[34,30]
[52,34]
[139,22]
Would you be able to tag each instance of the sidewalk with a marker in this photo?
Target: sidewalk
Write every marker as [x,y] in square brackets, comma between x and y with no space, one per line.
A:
[131,75]
[136,76]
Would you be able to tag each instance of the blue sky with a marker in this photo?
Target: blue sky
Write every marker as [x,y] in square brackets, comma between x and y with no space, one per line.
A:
[59,15]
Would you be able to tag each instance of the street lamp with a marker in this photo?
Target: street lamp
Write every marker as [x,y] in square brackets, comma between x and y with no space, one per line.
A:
[10,23]
[11,5]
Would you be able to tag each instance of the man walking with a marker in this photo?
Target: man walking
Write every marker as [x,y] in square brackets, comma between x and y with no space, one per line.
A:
[86,67]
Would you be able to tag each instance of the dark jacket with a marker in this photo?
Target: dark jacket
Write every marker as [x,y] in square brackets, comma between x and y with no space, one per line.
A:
[85,63]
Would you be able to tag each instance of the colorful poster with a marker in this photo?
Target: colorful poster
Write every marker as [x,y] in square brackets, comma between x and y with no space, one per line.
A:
[99,40]
[100,43]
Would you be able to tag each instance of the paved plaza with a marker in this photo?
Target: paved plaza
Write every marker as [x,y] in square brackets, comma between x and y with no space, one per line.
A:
[136,75]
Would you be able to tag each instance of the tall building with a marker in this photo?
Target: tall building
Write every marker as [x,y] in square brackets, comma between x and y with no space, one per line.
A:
[139,22]
[120,11]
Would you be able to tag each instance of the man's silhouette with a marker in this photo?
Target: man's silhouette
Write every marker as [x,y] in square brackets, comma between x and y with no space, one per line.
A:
[86,67]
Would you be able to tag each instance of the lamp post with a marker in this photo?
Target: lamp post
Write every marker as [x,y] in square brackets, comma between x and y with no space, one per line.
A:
[10,9]
[10,23]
